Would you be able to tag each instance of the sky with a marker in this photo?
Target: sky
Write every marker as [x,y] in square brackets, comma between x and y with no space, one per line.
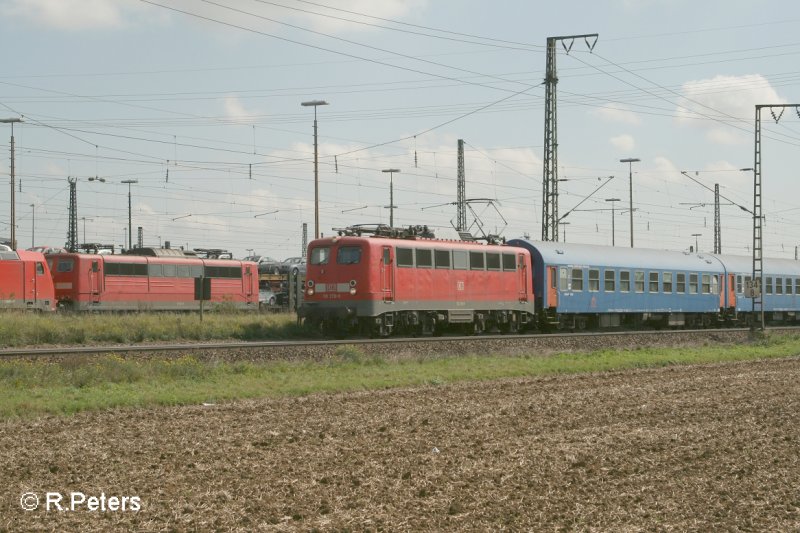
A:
[199,101]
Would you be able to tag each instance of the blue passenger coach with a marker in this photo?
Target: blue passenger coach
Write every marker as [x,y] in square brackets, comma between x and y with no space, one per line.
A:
[781,288]
[580,285]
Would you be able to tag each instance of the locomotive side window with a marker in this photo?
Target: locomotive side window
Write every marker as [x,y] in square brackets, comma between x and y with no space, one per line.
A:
[668,282]
[442,258]
[706,284]
[594,279]
[563,279]
[405,257]
[577,279]
[320,256]
[609,281]
[476,261]
[681,284]
[769,285]
[509,262]
[653,281]
[460,260]
[492,261]
[638,281]
[624,281]
[692,283]
[155,271]
[424,258]
[387,256]
[65,265]
[170,271]
[184,271]
[348,255]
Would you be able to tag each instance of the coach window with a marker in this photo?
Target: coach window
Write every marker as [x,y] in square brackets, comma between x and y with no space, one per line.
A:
[170,271]
[442,258]
[667,282]
[405,257]
[739,284]
[638,281]
[610,278]
[320,255]
[747,283]
[563,279]
[492,261]
[509,262]
[680,283]
[577,279]
[476,261]
[424,257]
[706,284]
[778,285]
[460,260]
[653,282]
[348,255]
[769,285]
[624,281]
[788,285]
[693,283]
[797,285]
[594,280]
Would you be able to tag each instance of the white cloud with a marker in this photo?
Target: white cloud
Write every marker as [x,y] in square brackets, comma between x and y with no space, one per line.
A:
[623,143]
[66,14]
[616,113]
[235,110]
[722,99]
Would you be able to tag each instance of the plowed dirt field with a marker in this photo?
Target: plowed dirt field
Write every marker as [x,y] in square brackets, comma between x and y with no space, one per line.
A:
[683,448]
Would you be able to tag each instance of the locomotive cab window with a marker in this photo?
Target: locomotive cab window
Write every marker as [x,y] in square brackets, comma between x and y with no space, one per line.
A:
[65,265]
[441,258]
[348,255]
[39,268]
[509,262]
[320,255]
[405,257]
[424,258]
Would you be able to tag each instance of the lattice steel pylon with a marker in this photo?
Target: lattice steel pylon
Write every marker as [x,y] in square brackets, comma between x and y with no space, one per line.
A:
[72,230]
[758,220]
[550,173]
[461,199]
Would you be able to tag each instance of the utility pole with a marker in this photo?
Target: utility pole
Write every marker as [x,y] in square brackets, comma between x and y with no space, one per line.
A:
[758,260]
[130,226]
[305,241]
[717,224]
[391,205]
[461,199]
[12,121]
[550,172]
[630,161]
[315,104]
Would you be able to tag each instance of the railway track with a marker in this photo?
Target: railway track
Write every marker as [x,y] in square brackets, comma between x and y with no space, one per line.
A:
[400,348]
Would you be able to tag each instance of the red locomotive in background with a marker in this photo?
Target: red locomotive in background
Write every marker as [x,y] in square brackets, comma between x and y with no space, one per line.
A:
[25,281]
[163,281]
[407,283]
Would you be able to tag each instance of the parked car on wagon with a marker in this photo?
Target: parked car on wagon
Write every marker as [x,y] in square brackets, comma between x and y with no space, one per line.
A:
[266,265]
[293,266]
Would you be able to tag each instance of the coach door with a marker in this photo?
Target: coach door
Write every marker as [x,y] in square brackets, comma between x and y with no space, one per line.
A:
[94,280]
[551,286]
[387,274]
[730,288]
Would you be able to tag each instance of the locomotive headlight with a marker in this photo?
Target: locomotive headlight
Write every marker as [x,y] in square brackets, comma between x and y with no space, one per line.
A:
[310,291]
[352,290]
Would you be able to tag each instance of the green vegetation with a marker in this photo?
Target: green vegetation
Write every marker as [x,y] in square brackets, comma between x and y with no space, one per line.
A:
[77,384]
[25,329]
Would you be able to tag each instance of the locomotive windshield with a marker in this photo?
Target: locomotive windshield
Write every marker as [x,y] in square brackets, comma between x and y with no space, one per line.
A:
[348,255]
[320,256]
[64,265]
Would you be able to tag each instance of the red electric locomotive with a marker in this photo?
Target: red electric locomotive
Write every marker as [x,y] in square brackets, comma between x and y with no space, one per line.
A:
[25,281]
[410,284]
[161,281]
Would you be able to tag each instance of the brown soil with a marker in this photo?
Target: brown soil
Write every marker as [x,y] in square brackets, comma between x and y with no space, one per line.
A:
[684,448]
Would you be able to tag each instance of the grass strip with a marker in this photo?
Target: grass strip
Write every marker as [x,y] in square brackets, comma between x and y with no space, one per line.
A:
[29,389]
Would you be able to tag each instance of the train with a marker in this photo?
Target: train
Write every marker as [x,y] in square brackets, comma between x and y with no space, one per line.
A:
[25,281]
[153,280]
[407,284]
